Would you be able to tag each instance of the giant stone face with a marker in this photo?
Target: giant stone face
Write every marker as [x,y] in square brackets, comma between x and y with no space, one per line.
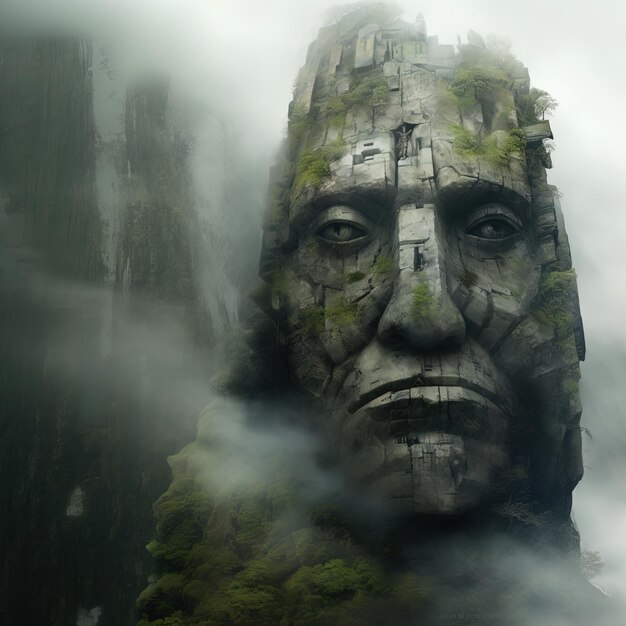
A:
[420,273]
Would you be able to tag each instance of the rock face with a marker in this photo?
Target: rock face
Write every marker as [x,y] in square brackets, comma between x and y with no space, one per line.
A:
[419,282]
[412,222]
[106,323]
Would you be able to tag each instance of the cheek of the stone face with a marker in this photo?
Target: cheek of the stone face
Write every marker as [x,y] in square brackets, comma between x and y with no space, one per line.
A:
[335,299]
[494,289]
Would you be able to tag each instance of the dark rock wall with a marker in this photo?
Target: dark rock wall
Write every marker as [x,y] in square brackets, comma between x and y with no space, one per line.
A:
[89,406]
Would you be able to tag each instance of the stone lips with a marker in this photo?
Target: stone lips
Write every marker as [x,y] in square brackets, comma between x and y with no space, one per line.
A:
[425,442]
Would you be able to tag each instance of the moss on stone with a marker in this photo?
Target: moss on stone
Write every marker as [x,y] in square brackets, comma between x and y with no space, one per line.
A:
[481,81]
[335,112]
[300,123]
[465,142]
[555,293]
[342,313]
[383,265]
[257,562]
[311,319]
[495,151]
[363,92]
[355,277]
[423,301]
[314,167]
[555,312]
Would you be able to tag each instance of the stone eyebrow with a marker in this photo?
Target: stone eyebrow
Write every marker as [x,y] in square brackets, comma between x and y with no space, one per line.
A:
[373,204]
[470,194]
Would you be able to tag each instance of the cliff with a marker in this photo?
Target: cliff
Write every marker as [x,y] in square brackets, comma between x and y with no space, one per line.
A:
[108,308]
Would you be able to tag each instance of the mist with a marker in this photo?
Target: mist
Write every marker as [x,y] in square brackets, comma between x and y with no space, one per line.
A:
[230,67]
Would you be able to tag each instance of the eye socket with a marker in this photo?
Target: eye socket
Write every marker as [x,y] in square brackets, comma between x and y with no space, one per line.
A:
[493,228]
[341,232]
[493,223]
[342,227]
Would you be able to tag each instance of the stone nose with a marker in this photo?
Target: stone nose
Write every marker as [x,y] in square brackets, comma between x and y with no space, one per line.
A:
[420,312]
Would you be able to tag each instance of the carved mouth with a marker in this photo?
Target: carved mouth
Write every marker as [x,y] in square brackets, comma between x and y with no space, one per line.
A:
[421,443]
[412,388]
[435,408]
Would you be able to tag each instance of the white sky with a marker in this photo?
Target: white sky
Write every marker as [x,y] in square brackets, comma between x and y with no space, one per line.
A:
[242,56]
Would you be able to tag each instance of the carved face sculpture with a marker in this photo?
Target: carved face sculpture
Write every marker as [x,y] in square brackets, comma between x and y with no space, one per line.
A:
[420,272]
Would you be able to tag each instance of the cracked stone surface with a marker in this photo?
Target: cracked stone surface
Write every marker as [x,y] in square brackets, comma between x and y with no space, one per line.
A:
[438,358]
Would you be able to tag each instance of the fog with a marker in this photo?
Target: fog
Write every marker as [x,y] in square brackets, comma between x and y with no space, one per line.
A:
[238,59]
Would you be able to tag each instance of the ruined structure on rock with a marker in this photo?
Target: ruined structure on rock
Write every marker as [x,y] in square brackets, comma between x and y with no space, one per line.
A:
[419,295]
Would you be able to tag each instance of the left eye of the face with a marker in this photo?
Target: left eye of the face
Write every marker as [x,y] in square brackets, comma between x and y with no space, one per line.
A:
[342,228]
[341,232]
[493,228]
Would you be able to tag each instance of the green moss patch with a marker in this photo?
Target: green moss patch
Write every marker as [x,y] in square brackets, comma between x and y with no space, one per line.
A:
[312,320]
[555,311]
[342,313]
[314,167]
[383,265]
[480,81]
[555,293]
[423,300]
[300,123]
[494,152]
[355,277]
[259,559]
[373,92]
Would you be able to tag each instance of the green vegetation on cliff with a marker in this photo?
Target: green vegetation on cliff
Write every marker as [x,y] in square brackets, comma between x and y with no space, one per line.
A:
[555,291]
[252,557]
[314,167]
[372,92]
[481,81]
[533,107]
[495,150]
[555,312]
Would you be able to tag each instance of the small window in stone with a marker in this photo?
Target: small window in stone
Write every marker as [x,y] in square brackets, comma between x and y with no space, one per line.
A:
[418,259]
[368,143]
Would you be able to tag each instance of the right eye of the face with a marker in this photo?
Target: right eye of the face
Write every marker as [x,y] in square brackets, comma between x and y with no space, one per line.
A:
[342,225]
[493,223]
[494,228]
